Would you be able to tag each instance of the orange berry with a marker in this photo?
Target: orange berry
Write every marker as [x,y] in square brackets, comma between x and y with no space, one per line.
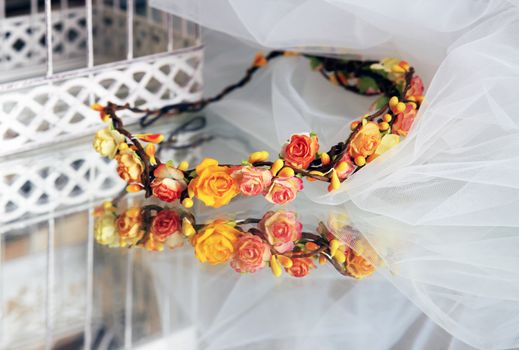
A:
[311,246]
[387,117]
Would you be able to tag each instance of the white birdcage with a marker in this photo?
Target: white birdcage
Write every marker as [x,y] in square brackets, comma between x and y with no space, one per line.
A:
[56,59]
[59,57]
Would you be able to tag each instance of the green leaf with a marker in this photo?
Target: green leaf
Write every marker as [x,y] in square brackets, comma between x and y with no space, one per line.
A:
[193,174]
[366,83]
[314,62]
[170,163]
[381,101]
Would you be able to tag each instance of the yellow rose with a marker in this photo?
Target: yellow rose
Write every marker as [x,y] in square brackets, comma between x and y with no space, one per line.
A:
[365,141]
[129,165]
[106,142]
[106,230]
[215,243]
[214,184]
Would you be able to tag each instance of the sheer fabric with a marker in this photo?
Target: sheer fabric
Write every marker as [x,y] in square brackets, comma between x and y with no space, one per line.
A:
[441,207]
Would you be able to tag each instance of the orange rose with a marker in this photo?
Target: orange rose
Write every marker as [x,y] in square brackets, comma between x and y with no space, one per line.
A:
[283,189]
[365,141]
[168,184]
[300,267]
[404,120]
[214,184]
[252,254]
[301,150]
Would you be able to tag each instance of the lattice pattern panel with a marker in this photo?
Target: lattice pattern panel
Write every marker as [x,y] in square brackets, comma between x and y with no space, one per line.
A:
[59,177]
[42,184]
[53,112]
[22,38]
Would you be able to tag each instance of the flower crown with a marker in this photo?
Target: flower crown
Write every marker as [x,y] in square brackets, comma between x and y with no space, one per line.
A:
[391,118]
[277,240]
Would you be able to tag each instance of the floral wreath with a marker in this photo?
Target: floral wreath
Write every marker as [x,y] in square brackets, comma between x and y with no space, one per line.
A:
[391,118]
[276,239]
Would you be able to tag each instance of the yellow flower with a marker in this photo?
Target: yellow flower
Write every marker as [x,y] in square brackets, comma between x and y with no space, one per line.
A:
[106,230]
[214,184]
[215,243]
[106,141]
[388,141]
[129,165]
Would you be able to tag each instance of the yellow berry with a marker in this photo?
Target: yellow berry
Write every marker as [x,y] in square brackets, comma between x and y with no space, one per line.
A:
[187,203]
[187,228]
[383,126]
[275,266]
[183,166]
[334,246]
[387,117]
[354,125]
[360,161]
[400,107]
[397,69]
[342,167]
[260,156]
[276,166]
[393,101]
[325,158]
[286,172]
[339,256]
[335,183]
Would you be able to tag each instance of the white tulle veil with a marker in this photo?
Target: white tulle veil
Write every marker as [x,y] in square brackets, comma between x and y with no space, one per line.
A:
[442,208]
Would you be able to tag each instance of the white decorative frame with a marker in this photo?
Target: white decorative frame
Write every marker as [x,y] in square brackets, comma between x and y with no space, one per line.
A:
[45,108]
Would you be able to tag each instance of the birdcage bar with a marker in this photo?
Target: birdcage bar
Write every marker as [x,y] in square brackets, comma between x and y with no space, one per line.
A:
[128,307]
[89,282]
[51,280]
[169,24]
[130,8]
[90,34]
[48,37]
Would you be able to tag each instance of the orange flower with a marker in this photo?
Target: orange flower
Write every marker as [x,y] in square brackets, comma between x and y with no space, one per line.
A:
[129,165]
[404,120]
[357,265]
[215,243]
[214,184]
[169,183]
[300,267]
[129,227]
[252,254]
[301,150]
[365,141]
